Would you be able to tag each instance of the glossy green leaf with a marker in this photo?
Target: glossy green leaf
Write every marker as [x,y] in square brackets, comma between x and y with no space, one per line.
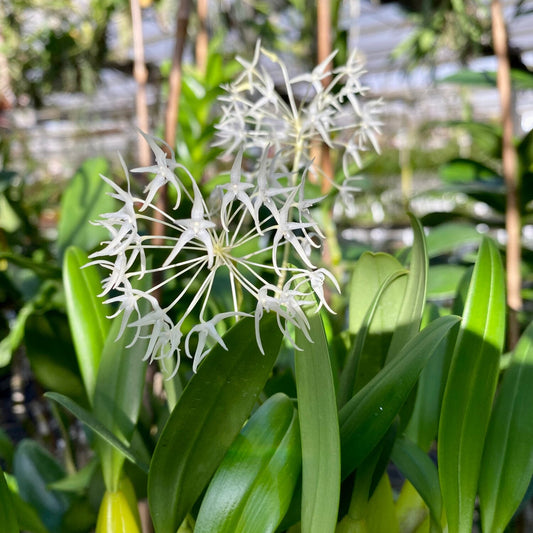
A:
[376,294]
[43,270]
[365,419]
[369,273]
[253,485]
[7,448]
[208,416]
[77,482]
[450,237]
[319,429]
[424,422]
[34,468]
[84,200]
[507,465]
[414,299]
[27,517]
[470,388]
[420,470]
[464,170]
[525,152]
[93,423]
[8,517]
[13,339]
[521,80]
[51,354]
[87,314]
[443,281]
[118,393]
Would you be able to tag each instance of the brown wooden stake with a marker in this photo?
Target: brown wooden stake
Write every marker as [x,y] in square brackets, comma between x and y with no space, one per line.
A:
[509,163]
[202,38]
[171,114]
[140,73]
[172,111]
[324,49]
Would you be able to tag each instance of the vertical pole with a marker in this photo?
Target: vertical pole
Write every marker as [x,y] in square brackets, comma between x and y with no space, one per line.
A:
[324,49]
[140,73]
[202,39]
[509,163]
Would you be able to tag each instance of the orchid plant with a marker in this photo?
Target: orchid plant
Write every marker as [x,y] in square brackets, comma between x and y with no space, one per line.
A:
[252,230]
[239,280]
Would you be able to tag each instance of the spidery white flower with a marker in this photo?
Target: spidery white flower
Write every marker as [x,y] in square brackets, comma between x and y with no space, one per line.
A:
[256,115]
[253,239]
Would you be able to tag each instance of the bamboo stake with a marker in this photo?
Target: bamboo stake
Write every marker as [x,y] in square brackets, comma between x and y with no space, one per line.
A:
[202,39]
[324,49]
[140,73]
[171,114]
[509,162]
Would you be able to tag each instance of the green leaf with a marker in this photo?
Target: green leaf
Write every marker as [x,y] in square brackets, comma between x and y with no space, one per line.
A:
[34,468]
[13,339]
[365,419]
[443,281]
[376,294]
[43,270]
[253,485]
[87,314]
[208,416]
[449,238]
[27,517]
[118,392]
[90,421]
[77,482]
[319,429]
[466,170]
[51,354]
[521,80]
[507,465]
[84,200]
[470,388]
[424,422]
[6,448]
[369,274]
[8,517]
[525,152]
[420,470]
[414,299]
[368,353]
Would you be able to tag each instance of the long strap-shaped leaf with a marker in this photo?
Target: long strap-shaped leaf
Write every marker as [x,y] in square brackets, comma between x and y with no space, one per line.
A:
[319,430]
[86,314]
[349,373]
[420,470]
[208,416]
[92,422]
[118,393]
[414,300]
[470,389]
[507,464]
[365,419]
[253,486]
[8,517]
[117,397]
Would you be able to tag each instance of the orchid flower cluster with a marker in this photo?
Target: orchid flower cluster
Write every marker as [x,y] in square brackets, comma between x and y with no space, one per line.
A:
[324,105]
[254,234]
